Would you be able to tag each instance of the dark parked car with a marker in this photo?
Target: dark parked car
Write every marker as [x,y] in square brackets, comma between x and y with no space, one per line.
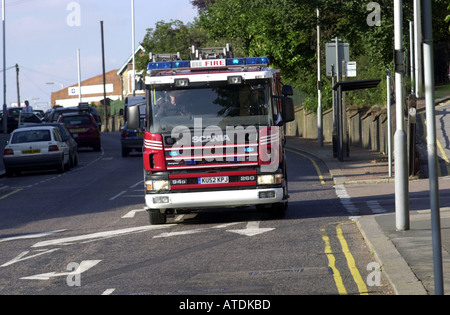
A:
[67,137]
[83,128]
[133,140]
[13,118]
[53,114]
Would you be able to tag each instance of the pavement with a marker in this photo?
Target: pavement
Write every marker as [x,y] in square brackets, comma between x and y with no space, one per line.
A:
[368,193]
[363,184]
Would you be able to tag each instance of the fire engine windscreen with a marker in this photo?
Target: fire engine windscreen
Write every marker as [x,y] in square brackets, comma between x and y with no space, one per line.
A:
[217,105]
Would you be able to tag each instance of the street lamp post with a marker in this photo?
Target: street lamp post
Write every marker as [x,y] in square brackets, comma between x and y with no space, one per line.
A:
[401,164]
[5,109]
[133,82]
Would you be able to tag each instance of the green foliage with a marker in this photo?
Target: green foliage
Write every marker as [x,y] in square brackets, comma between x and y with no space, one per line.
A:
[172,37]
[285,31]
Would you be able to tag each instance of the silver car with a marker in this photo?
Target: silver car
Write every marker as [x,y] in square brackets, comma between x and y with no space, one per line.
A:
[34,148]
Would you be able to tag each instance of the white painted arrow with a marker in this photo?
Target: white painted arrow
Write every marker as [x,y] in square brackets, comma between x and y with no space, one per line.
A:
[252,229]
[21,256]
[194,231]
[84,266]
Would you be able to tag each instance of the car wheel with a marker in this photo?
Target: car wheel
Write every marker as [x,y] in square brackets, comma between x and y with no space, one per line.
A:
[9,172]
[61,167]
[98,148]
[67,165]
[156,217]
[72,159]
[125,152]
[75,158]
[278,210]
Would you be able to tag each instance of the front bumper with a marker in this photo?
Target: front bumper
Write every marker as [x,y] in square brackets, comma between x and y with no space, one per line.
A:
[214,199]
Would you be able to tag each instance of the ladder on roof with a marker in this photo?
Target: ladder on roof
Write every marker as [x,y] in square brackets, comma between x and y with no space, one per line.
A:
[212,53]
[163,57]
[196,54]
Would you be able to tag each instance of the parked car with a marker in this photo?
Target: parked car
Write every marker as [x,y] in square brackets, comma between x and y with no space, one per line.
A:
[39,113]
[67,137]
[133,140]
[13,118]
[83,128]
[28,120]
[35,148]
[53,114]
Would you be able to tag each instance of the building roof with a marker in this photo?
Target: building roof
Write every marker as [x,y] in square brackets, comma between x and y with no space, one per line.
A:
[125,65]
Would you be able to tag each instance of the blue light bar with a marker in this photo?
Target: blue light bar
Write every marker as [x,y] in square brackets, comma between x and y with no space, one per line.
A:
[257,61]
[159,65]
[181,64]
[252,61]
[236,62]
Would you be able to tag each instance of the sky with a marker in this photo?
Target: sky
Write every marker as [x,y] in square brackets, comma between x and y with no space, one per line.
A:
[43,37]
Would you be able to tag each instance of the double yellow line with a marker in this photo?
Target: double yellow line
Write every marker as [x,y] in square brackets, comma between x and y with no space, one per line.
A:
[362,288]
[319,173]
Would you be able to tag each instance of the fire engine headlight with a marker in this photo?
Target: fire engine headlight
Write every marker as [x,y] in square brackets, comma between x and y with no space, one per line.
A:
[235,80]
[181,82]
[157,185]
[269,179]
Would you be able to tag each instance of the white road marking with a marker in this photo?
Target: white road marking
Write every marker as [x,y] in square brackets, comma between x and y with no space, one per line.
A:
[100,235]
[28,236]
[194,231]
[118,195]
[23,254]
[375,207]
[346,200]
[132,213]
[84,266]
[252,229]
[108,291]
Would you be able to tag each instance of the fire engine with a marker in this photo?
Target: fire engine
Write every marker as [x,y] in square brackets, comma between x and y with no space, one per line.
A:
[214,133]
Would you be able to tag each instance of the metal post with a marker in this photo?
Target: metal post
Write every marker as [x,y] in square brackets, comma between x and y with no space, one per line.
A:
[418,48]
[18,85]
[338,64]
[133,79]
[334,114]
[411,55]
[5,108]
[79,76]
[338,106]
[389,122]
[432,153]
[401,163]
[319,88]
[105,117]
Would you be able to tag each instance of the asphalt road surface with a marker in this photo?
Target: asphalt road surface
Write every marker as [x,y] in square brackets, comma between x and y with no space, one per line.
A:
[84,232]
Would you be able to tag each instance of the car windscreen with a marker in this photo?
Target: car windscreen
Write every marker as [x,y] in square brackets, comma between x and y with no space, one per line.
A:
[219,105]
[31,136]
[77,120]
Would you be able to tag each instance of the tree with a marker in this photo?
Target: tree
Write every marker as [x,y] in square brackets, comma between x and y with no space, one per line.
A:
[284,30]
[171,37]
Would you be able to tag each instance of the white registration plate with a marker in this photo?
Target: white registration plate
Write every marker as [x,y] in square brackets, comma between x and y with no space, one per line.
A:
[36,151]
[213,180]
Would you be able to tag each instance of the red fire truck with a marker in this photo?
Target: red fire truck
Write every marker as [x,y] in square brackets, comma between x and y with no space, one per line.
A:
[214,134]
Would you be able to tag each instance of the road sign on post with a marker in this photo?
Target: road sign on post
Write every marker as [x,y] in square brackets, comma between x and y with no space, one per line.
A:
[351,69]
[330,53]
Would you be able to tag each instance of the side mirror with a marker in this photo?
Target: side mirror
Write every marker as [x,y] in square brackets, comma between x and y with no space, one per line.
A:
[288,110]
[287,90]
[133,117]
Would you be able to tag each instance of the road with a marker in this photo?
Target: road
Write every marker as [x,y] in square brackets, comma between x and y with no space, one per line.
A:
[85,232]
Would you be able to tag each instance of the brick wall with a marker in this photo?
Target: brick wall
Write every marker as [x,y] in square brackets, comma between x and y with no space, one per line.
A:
[111,78]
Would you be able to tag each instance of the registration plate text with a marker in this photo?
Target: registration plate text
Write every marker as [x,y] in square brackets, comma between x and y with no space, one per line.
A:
[213,180]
